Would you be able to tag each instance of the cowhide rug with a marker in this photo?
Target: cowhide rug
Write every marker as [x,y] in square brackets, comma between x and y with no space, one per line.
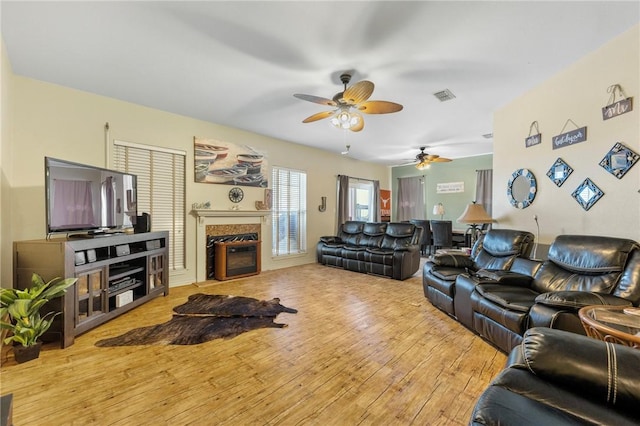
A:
[205,317]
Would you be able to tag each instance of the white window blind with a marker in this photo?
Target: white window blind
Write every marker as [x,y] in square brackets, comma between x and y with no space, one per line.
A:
[161,190]
[289,211]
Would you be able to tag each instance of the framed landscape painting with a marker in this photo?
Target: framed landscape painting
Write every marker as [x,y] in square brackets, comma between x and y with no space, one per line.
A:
[227,163]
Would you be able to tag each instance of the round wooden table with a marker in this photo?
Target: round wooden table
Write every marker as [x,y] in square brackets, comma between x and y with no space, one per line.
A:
[616,324]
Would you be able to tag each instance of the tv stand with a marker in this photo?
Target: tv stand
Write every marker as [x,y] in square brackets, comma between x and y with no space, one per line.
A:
[115,275]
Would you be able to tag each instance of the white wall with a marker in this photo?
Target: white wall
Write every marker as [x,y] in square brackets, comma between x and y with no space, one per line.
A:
[51,120]
[577,93]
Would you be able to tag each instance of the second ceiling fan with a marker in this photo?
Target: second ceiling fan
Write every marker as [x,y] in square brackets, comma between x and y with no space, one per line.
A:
[424,160]
[349,104]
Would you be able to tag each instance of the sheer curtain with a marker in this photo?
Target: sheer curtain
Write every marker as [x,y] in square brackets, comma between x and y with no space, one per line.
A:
[410,198]
[484,189]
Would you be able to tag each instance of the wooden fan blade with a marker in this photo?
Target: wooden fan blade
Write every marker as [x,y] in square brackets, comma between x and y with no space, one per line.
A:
[315,99]
[318,116]
[379,107]
[358,93]
[440,160]
[358,126]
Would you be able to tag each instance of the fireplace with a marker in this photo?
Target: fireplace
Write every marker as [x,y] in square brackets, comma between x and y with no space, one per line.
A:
[233,256]
[225,223]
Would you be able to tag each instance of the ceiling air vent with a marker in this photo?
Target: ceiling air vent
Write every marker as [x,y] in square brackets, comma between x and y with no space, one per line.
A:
[444,95]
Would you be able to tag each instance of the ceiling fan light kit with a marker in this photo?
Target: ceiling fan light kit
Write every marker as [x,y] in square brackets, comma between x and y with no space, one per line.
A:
[343,119]
[350,104]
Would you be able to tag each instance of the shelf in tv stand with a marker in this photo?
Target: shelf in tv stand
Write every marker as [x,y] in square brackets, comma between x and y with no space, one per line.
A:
[125,272]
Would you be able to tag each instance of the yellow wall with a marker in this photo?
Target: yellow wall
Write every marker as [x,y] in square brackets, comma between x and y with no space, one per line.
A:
[51,120]
[5,167]
[577,93]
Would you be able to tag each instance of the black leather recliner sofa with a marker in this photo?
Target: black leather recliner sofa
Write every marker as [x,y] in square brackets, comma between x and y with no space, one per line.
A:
[581,270]
[496,251]
[390,249]
[556,377]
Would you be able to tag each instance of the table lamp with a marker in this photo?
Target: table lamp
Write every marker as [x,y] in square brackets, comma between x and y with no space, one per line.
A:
[438,209]
[473,215]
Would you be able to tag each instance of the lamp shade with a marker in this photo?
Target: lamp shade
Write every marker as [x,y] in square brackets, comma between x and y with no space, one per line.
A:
[438,209]
[475,213]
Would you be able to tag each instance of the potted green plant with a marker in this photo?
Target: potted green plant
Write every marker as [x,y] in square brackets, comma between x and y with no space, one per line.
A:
[20,314]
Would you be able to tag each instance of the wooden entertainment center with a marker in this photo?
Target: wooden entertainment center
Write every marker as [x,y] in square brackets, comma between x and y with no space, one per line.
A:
[115,274]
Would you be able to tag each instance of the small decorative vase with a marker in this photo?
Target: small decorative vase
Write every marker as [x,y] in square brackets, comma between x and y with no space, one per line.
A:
[26,353]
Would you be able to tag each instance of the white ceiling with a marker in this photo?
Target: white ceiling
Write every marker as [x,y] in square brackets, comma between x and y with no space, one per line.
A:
[238,63]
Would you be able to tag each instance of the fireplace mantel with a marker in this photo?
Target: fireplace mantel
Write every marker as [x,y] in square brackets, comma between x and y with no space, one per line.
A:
[230,213]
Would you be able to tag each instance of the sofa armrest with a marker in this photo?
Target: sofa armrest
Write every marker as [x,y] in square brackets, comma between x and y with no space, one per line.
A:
[330,239]
[579,299]
[453,260]
[505,277]
[607,372]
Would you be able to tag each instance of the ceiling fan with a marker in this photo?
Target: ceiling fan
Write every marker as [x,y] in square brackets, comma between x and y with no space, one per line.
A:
[424,160]
[349,104]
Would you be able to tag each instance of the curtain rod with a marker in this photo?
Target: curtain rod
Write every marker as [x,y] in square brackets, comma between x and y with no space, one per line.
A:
[357,178]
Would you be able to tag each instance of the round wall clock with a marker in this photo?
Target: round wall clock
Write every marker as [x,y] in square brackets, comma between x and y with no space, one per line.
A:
[236,194]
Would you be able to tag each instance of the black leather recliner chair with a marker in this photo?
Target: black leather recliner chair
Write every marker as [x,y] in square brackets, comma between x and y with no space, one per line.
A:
[556,377]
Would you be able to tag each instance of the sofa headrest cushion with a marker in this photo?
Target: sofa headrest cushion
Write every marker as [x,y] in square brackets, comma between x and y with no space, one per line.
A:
[589,254]
[507,242]
[352,227]
[375,228]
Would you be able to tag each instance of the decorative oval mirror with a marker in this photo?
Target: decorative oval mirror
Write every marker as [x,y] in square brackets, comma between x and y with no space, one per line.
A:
[521,189]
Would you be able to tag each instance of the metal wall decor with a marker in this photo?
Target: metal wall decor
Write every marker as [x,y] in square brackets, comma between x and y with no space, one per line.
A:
[613,108]
[522,188]
[619,160]
[587,194]
[535,139]
[559,172]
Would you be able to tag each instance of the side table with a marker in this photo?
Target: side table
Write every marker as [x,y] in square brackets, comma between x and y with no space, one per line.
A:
[615,324]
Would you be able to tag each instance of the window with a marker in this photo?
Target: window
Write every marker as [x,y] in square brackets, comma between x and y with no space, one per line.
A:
[289,212]
[361,199]
[161,190]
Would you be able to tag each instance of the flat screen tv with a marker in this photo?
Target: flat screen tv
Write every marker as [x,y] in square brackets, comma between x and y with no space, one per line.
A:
[93,200]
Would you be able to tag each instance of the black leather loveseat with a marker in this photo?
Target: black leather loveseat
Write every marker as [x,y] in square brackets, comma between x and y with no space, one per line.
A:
[390,249]
[556,377]
[581,270]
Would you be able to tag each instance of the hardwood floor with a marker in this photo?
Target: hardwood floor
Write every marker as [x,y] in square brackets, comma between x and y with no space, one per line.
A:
[361,350]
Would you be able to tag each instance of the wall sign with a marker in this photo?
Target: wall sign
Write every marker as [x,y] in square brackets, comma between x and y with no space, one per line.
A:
[449,187]
[614,109]
[617,109]
[532,140]
[569,138]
